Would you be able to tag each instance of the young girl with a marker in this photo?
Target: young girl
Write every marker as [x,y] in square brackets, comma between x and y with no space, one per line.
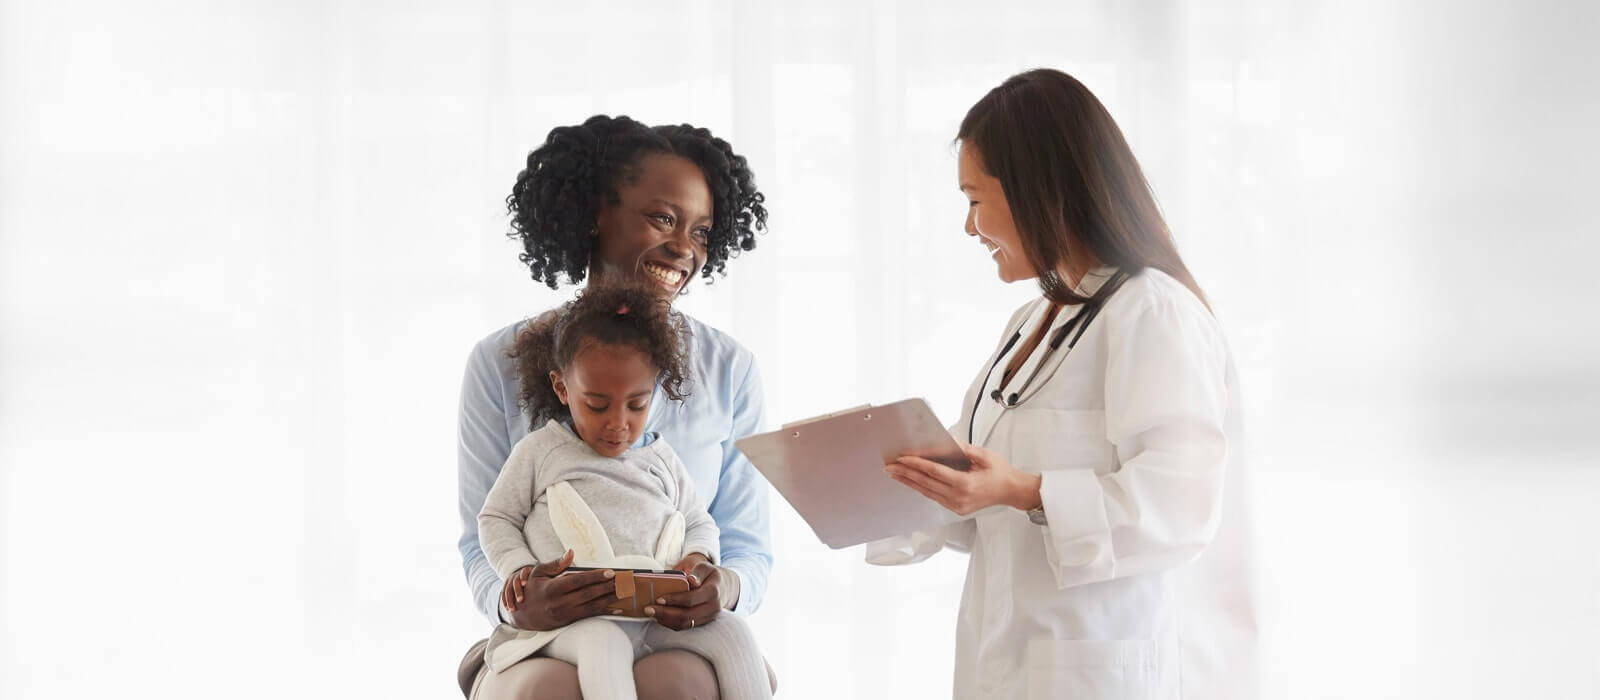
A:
[590,487]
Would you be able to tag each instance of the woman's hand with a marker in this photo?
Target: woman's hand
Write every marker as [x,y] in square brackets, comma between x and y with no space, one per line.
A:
[539,599]
[990,481]
[700,604]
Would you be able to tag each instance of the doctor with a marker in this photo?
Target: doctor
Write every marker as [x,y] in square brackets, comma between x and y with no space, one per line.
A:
[1109,551]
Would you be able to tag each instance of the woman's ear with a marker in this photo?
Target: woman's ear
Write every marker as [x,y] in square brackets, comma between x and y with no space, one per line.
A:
[601,212]
[559,385]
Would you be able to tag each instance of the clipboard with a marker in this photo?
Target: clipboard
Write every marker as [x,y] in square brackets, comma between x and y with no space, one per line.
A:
[830,468]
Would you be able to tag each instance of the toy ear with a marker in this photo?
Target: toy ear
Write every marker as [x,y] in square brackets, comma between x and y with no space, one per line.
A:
[578,528]
[669,549]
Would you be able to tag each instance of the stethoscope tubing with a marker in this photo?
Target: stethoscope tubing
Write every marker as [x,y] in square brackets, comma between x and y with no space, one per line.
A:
[1079,321]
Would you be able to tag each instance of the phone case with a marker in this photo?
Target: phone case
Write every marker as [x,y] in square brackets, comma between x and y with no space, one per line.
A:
[639,588]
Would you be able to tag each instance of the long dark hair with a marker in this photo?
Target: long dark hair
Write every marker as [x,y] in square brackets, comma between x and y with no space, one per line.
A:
[1072,182]
[613,315]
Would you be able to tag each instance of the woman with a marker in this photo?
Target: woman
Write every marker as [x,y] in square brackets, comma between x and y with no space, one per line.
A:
[614,200]
[1108,551]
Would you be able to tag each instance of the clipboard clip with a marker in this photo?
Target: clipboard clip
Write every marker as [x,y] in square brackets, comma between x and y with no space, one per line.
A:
[795,433]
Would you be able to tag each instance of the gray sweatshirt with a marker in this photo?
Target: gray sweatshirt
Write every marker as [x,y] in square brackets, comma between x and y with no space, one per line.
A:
[633,496]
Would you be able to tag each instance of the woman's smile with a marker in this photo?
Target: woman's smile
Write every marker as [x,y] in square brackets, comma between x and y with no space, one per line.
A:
[994,249]
[665,275]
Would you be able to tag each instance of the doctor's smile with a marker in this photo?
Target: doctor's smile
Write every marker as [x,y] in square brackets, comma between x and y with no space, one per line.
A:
[989,217]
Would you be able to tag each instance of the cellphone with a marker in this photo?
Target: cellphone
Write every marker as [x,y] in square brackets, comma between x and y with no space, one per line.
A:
[576,569]
[638,589]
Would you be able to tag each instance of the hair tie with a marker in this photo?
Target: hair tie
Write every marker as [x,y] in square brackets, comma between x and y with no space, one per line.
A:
[622,310]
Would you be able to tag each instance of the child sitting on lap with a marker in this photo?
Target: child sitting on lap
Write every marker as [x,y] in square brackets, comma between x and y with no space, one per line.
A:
[590,484]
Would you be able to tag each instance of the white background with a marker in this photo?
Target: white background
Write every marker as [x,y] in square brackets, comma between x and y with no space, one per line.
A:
[245,247]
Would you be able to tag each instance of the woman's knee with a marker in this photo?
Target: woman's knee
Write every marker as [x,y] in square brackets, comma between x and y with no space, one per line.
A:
[538,678]
[675,675]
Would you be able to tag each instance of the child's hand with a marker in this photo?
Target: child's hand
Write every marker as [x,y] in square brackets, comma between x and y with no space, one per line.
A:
[511,592]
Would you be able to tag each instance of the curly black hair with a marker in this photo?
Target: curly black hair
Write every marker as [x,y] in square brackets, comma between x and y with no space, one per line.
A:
[613,315]
[556,196]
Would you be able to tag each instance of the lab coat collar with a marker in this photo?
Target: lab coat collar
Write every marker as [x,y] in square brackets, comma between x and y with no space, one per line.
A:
[1094,279]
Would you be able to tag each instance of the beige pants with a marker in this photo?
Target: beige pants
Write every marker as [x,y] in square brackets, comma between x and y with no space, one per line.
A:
[667,675]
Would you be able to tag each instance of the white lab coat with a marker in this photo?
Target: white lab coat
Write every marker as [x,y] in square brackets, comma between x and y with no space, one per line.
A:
[1141,585]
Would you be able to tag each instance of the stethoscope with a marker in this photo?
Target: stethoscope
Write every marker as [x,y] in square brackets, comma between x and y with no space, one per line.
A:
[1079,322]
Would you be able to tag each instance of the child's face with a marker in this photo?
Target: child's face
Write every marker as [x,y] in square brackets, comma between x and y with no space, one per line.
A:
[608,389]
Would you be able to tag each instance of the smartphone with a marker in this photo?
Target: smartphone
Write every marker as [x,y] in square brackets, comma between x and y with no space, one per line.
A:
[637,589]
[575,569]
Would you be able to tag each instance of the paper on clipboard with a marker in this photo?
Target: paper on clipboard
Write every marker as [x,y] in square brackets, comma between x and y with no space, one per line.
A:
[830,468]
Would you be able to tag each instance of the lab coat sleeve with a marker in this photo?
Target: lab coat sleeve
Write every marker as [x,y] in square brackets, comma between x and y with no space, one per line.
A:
[1166,402]
[917,546]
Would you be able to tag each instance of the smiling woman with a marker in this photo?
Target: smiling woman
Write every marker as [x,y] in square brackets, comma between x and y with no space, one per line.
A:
[606,197]
[664,193]
[626,204]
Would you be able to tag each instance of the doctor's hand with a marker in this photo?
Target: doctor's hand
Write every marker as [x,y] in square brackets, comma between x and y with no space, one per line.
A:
[697,606]
[990,481]
[539,598]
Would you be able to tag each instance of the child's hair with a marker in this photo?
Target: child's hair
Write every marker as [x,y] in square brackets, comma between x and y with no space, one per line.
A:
[612,315]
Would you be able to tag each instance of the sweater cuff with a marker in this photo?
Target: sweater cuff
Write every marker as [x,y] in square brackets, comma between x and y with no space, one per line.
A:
[710,556]
[509,563]
[730,600]
[751,584]
[709,546]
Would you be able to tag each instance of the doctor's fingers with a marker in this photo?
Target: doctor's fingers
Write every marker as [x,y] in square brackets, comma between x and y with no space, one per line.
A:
[920,481]
[937,494]
[933,470]
[982,455]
